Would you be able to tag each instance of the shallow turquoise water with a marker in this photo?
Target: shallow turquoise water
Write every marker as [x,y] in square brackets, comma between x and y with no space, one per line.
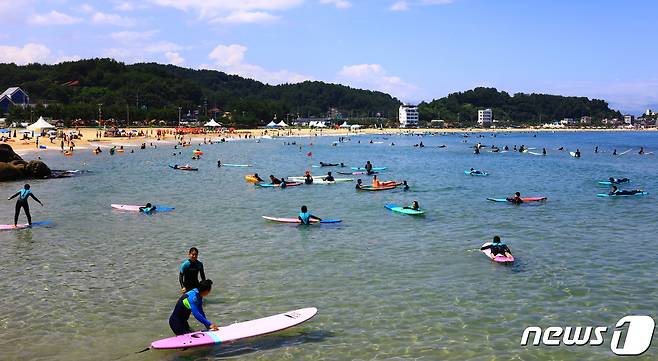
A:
[100,284]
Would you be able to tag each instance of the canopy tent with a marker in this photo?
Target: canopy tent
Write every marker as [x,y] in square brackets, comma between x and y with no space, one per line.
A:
[355,126]
[345,125]
[212,123]
[5,130]
[40,124]
[25,131]
[272,124]
[282,124]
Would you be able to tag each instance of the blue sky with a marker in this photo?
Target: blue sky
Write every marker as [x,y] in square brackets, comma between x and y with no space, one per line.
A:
[413,49]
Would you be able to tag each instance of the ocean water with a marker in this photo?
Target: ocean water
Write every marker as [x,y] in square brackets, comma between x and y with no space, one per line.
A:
[100,284]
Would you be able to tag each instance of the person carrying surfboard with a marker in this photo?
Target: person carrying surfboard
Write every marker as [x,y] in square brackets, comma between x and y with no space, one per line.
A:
[190,270]
[305,217]
[497,247]
[21,202]
[516,199]
[191,303]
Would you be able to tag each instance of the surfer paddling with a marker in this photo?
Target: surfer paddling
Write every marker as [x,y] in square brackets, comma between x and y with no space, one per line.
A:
[21,202]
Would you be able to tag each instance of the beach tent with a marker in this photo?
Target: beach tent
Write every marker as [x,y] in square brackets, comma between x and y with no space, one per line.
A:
[40,124]
[212,123]
[271,124]
[345,125]
[355,126]
[5,130]
[282,124]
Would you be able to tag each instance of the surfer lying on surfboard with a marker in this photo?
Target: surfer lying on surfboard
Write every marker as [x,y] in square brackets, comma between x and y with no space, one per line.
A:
[516,199]
[497,247]
[191,302]
[21,202]
[616,192]
[306,217]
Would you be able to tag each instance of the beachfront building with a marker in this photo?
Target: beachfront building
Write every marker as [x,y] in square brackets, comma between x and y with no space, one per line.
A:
[13,96]
[408,116]
[586,120]
[628,119]
[567,121]
[485,117]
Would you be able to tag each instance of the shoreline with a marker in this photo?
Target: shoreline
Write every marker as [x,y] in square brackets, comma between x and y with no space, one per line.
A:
[89,140]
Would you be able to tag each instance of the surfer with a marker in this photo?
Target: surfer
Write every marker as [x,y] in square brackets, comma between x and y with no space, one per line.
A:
[329,178]
[406,186]
[328,164]
[616,192]
[274,180]
[21,202]
[614,152]
[497,247]
[191,302]
[219,163]
[257,177]
[414,206]
[358,184]
[148,208]
[618,180]
[516,199]
[308,179]
[641,152]
[543,152]
[577,153]
[306,217]
[474,171]
[368,166]
[190,270]
[375,181]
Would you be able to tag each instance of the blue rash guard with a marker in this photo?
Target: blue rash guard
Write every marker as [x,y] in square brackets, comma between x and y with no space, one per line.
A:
[305,217]
[190,302]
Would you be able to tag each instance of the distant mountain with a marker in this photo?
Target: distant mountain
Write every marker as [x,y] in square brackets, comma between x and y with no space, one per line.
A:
[520,108]
[153,91]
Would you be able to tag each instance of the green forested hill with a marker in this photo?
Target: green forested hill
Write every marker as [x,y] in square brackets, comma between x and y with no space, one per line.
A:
[153,91]
[519,108]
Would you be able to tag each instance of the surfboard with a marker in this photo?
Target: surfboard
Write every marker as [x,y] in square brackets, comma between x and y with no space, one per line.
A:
[130,208]
[356,173]
[269,185]
[608,183]
[371,188]
[622,195]
[535,153]
[6,227]
[235,165]
[399,209]
[373,168]
[525,199]
[319,179]
[179,168]
[238,331]
[573,154]
[296,220]
[482,174]
[499,258]
[622,153]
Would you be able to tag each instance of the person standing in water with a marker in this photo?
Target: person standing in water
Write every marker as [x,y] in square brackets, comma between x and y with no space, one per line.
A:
[191,303]
[21,202]
[190,270]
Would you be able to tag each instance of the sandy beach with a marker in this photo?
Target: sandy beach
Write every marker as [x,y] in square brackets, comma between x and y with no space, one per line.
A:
[89,139]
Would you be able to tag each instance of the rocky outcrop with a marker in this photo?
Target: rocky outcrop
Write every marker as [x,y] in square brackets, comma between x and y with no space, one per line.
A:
[13,167]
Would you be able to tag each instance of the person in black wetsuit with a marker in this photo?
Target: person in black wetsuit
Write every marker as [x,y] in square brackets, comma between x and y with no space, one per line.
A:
[516,199]
[577,153]
[329,178]
[257,177]
[190,270]
[191,303]
[618,180]
[308,179]
[274,180]
[405,185]
[359,184]
[368,167]
[616,192]
[497,247]
[414,206]
[21,202]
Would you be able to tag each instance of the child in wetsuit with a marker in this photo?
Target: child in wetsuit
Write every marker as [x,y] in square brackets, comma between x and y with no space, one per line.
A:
[497,247]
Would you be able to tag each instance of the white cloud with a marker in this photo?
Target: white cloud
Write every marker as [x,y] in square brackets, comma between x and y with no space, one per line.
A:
[375,77]
[246,17]
[399,6]
[230,59]
[111,19]
[131,37]
[231,11]
[403,5]
[174,58]
[30,53]
[162,47]
[86,8]
[13,12]
[340,4]
[53,18]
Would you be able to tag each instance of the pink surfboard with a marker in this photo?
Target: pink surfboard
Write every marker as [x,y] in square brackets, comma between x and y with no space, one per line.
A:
[6,227]
[499,257]
[126,207]
[238,331]
[296,220]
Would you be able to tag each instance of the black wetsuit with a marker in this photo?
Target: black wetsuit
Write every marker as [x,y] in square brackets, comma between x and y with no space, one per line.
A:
[189,274]
[189,303]
[497,248]
[21,202]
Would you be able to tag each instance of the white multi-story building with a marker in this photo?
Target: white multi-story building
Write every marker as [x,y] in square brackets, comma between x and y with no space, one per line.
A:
[408,116]
[485,117]
[628,119]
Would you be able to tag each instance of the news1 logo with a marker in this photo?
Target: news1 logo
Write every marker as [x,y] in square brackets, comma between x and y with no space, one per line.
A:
[636,332]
